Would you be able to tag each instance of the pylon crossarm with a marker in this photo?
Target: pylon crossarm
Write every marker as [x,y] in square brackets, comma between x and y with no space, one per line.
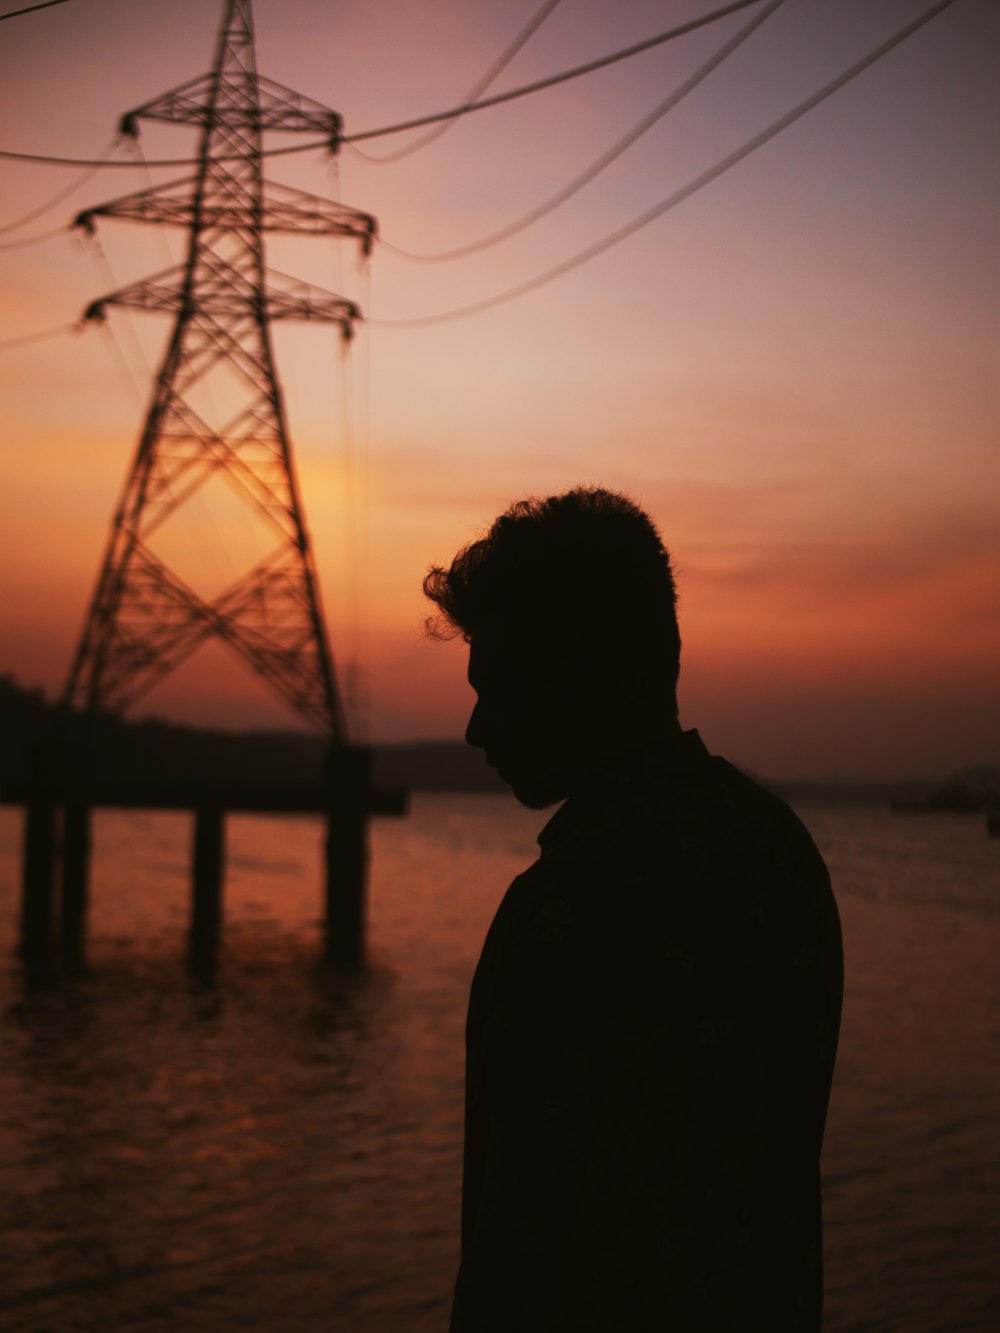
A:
[179,106]
[280,108]
[161,292]
[288,209]
[301,113]
[164,293]
[157,204]
[284,210]
[292,300]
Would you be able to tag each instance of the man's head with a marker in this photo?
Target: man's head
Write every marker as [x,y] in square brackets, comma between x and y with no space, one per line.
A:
[569,608]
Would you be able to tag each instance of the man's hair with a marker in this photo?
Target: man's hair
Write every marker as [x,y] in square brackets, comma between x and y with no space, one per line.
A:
[583,569]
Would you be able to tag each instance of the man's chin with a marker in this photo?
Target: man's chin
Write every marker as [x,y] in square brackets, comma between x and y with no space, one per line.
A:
[532,792]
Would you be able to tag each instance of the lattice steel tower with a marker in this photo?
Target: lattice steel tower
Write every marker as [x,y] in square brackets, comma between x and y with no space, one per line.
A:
[144,620]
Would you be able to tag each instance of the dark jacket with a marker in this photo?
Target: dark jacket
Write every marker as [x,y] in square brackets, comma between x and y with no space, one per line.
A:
[651,1038]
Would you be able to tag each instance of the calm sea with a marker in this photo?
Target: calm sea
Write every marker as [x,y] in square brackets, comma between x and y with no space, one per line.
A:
[282,1153]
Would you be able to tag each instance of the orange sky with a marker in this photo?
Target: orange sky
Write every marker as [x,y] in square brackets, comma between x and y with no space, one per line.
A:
[795,371]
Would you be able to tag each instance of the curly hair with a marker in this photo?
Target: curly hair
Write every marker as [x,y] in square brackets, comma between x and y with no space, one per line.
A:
[586,566]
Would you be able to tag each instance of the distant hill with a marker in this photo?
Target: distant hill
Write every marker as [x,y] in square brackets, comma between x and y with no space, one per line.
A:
[150,749]
[155,749]
[434,766]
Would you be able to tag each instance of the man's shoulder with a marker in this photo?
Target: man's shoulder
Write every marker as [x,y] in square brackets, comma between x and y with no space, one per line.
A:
[743,808]
[705,806]
[697,848]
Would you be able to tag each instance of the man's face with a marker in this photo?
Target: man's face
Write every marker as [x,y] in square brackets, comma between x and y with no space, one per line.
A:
[525,718]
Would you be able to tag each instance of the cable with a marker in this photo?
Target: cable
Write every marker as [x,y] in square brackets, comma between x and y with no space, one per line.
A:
[605,160]
[10,343]
[134,149]
[46,4]
[680,31]
[554,79]
[36,239]
[124,369]
[93,243]
[685,192]
[494,71]
[62,194]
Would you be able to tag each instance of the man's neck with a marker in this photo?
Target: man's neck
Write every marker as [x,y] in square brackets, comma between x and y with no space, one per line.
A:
[661,737]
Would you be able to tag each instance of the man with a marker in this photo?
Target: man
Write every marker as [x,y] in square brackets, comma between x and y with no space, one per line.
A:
[653,1022]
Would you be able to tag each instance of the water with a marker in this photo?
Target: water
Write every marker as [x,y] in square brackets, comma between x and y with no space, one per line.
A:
[283,1152]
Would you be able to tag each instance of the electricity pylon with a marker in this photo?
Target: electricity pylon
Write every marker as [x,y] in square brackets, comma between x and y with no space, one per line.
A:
[144,620]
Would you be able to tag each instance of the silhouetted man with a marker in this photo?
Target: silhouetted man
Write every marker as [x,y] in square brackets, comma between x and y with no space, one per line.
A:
[653,1022]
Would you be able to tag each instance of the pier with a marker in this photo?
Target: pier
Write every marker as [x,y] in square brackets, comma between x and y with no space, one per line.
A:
[59,798]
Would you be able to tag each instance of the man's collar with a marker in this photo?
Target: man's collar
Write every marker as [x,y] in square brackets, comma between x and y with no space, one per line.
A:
[620,782]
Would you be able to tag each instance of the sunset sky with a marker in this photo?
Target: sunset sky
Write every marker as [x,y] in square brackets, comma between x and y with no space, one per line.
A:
[795,371]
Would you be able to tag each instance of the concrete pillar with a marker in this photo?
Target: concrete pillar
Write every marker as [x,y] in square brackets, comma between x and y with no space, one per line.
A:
[40,849]
[208,857]
[75,883]
[347,856]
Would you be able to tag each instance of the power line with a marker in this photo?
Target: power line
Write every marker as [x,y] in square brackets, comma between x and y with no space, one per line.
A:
[498,98]
[494,71]
[419,122]
[8,344]
[64,193]
[36,239]
[685,192]
[30,9]
[605,160]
